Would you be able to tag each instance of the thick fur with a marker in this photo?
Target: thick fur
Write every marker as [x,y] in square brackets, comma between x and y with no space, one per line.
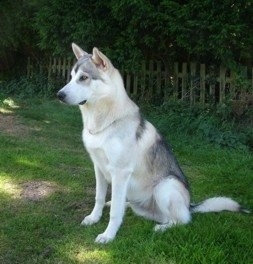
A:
[128,152]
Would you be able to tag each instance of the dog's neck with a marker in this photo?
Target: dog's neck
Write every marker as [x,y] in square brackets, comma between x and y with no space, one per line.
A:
[100,115]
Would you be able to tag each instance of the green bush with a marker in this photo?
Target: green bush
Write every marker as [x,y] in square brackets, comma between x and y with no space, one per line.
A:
[24,87]
[210,123]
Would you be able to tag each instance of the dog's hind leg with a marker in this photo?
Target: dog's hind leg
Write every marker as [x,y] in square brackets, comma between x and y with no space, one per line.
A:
[172,199]
[101,189]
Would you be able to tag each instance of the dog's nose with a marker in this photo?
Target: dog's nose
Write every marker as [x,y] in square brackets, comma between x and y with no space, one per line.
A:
[61,95]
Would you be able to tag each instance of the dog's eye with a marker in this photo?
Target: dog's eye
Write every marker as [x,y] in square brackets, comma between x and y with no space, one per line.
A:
[83,78]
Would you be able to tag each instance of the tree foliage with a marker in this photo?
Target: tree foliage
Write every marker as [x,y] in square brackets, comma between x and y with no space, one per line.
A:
[210,29]
[16,31]
[217,31]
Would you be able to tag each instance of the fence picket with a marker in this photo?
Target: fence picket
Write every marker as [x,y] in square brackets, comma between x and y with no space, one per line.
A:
[222,83]
[193,66]
[176,75]
[49,69]
[143,79]
[54,66]
[184,81]
[68,69]
[29,67]
[64,68]
[135,85]
[167,82]
[128,83]
[202,83]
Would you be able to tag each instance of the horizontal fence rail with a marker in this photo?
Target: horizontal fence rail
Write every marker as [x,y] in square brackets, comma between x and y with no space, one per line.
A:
[191,82]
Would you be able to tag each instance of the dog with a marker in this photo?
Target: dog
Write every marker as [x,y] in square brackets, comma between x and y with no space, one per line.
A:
[128,152]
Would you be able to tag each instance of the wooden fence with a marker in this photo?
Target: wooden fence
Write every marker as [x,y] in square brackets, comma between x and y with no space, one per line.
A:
[191,82]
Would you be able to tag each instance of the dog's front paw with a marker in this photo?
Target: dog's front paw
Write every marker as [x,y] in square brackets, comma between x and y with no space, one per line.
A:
[103,238]
[90,220]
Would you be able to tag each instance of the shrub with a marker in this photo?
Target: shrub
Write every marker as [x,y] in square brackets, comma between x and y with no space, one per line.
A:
[216,126]
[24,87]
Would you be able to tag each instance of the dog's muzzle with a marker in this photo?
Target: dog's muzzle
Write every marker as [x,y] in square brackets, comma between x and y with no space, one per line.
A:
[61,96]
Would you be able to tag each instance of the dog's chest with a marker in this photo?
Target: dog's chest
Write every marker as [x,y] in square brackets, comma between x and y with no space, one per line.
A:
[93,141]
[95,145]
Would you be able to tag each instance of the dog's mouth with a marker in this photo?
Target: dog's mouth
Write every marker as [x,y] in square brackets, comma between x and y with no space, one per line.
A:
[83,102]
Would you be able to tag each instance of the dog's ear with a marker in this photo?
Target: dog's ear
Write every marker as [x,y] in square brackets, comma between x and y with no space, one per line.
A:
[78,51]
[101,61]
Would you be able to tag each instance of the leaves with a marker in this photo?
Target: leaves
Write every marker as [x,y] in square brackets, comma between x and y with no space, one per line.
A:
[130,31]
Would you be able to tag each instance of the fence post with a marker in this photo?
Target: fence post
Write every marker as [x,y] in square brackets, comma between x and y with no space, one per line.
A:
[64,68]
[192,86]
[49,69]
[202,83]
[184,81]
[54,66]
[28,68]
[175,88]
[167,82]
[143,78]
[135,85]
[128,83]
[68,69]
[59,66]
[222,83]
[230,81]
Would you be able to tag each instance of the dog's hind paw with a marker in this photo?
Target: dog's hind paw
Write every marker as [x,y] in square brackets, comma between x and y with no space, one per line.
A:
[103,238]
[90,220]
[163,227]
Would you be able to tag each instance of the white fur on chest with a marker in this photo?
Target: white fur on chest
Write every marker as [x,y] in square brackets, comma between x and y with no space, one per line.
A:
[110,150]
[93,141]
[97,148]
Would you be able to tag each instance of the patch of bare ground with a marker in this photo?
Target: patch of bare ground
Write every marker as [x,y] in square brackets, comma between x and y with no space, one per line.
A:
[37,190]
[11,125]
[34,190]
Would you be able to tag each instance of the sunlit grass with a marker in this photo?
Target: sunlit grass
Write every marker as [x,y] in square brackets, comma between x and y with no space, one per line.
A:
[27,162]
[5,111]
[9,102]
[9,187]
[83,255]
[8,106]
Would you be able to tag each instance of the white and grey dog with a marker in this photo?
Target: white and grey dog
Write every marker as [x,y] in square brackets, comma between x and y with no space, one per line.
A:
[128,152]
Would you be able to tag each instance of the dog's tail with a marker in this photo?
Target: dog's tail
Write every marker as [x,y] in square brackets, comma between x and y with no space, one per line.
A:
[217,204]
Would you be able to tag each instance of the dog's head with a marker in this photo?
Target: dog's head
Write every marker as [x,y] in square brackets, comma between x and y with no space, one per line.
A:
[90,78]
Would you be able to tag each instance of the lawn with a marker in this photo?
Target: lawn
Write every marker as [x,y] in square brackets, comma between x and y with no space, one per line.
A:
[47,186]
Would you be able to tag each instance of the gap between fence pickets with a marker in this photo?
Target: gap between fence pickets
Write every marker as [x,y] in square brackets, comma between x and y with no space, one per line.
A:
[185,81]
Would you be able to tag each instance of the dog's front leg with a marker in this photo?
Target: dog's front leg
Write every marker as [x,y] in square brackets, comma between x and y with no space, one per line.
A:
[120,179]
[101,189]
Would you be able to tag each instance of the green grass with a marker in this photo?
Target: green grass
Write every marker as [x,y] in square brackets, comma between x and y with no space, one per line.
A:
[45,145]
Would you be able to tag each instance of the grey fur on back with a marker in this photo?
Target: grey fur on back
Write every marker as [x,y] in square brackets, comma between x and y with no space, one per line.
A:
[163,163]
